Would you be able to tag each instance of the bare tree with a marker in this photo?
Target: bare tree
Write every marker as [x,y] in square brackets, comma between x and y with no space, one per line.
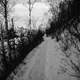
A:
[4,4]
[68,26]
[13,34]
[70,46]
[2,45]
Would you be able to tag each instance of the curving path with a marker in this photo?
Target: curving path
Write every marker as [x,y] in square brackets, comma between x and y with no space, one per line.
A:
[41,64]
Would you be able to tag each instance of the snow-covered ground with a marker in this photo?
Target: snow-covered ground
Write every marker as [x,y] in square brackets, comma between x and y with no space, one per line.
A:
[42,63]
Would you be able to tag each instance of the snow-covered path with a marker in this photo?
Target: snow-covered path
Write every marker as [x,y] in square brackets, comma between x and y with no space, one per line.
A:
[42,63]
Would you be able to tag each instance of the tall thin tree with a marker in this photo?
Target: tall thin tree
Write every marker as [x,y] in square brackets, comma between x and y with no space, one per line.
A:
[4,4]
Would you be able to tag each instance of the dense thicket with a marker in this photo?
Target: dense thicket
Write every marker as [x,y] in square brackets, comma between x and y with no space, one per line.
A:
[66,30]
[70,11]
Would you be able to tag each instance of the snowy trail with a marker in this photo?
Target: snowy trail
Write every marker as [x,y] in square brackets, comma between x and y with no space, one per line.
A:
[42,63]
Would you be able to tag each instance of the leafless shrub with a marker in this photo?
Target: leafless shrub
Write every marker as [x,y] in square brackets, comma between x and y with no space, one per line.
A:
[70,46]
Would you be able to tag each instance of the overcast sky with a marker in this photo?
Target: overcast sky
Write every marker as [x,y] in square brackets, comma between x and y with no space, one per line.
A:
[40,13]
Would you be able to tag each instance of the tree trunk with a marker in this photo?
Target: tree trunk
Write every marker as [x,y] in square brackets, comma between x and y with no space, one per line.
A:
[6,25]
